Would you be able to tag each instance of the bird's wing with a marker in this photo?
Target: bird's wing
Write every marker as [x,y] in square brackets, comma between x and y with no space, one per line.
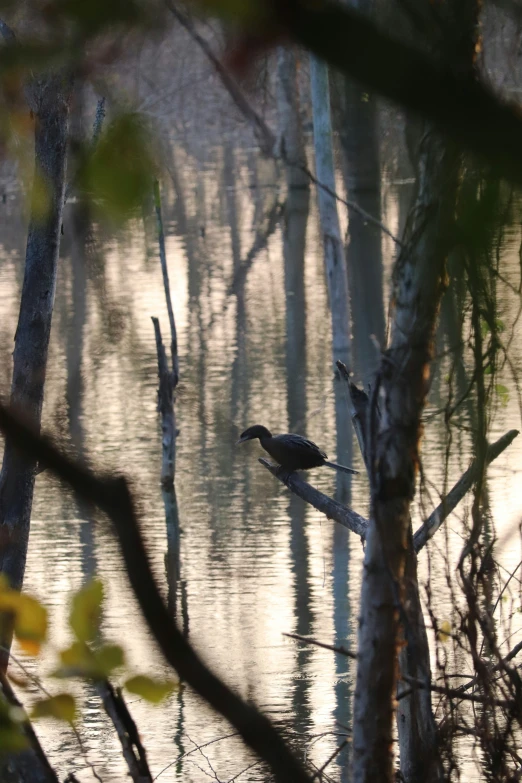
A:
[299,442]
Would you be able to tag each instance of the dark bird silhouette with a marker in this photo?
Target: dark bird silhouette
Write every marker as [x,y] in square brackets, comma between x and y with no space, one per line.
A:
[292,452]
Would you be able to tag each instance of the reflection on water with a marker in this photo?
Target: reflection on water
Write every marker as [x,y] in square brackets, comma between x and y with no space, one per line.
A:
[255,562]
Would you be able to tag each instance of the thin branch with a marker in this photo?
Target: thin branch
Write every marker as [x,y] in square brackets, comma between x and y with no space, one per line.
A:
[112,495]
[493,669]
[132,748]
[331,508]
[307,640]
[359,402]
[455,693]
[166,286]
[320,771]
[194,750]
[264,135]
[455,495]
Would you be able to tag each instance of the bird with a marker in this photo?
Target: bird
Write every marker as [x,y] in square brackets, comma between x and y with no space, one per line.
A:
[292,452]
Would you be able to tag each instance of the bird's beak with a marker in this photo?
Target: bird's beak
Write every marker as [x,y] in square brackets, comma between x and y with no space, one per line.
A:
[241,440]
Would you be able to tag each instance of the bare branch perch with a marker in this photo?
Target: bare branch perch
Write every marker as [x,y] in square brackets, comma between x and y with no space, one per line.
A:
[455,495]
[331,508]
[333,648]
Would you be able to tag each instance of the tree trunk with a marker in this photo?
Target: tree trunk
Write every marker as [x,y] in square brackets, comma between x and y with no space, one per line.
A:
[290,130]
[402,387]
[358,130]
[34,325]
[334,259]
[329,219]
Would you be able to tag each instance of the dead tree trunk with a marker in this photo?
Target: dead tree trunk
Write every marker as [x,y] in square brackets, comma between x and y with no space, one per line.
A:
[334,258]
[51,110]
[290,132]
[168,380]
[401,389]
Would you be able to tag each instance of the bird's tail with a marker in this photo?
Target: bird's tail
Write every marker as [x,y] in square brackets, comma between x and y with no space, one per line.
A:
[342,468]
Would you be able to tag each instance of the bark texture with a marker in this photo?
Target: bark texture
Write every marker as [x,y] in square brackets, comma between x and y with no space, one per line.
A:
[358,131]
[50,98]
[335,262]
[394,441]
[329,219]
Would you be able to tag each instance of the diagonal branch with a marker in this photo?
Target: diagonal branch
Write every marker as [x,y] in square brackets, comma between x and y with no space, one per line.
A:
[455,495]
[132,748]
[331,508]
[112,496]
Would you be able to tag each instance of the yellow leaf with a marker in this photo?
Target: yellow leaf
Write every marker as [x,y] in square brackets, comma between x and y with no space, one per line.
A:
[444,632]
[151,690]
[61,707]
[86,611]
[30,618]
[29,646]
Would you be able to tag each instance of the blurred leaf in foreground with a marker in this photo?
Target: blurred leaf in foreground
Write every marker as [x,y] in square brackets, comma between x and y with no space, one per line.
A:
[120,172]
[61,707]
[149,689]
[85,614]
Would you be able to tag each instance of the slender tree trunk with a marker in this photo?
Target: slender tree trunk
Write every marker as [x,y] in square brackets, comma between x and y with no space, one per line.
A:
[290,130]
[403,385]
[334,259]
[358,131]
[329,219]
[51,112]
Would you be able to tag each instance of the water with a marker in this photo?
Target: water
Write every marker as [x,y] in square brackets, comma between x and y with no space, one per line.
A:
[256,562]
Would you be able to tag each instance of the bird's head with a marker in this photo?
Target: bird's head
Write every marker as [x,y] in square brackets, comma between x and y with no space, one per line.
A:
[257,431]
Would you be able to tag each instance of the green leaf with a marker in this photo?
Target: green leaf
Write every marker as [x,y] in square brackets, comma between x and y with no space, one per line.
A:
[120,172]
[12,739]
[79,660]
[61,707]
[86,611]
[444,631]
[151,690]
[108,658]
[503,393]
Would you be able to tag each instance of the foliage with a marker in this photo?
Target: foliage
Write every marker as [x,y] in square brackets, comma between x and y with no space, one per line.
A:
[86,658]
[119,173]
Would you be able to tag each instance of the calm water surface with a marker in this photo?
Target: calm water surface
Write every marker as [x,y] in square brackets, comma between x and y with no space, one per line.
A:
[256,562]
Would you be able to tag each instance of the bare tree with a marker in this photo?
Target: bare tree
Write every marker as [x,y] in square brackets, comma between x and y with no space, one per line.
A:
[49,103]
